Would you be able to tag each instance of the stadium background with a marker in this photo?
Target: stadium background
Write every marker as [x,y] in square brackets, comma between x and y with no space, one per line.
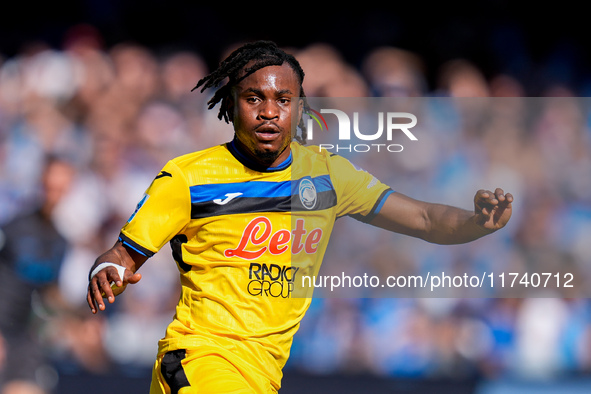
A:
[107,82]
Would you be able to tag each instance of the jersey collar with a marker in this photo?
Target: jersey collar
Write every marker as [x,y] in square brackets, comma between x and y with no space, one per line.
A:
[234,148]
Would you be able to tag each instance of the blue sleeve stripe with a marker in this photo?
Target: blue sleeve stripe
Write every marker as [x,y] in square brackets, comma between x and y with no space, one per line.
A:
[378,208]
[133,245]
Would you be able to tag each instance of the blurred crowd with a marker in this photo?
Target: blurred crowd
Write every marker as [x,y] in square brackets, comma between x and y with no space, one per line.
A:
[118,114]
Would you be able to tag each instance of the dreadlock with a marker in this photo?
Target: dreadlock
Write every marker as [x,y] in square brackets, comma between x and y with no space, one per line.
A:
[259,54]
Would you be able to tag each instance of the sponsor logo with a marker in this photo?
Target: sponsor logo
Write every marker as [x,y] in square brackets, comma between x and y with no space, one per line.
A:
[271,280]
[229,197]
[138,206]
[374,180]
[163,174]
[307,193]
[259,238]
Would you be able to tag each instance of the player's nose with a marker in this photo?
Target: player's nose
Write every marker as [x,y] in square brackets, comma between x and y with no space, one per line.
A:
[269,110]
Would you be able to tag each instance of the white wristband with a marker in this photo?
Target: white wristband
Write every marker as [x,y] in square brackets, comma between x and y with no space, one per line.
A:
[101,266]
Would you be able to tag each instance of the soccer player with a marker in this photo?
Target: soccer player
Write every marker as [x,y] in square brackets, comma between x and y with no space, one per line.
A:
[239,215]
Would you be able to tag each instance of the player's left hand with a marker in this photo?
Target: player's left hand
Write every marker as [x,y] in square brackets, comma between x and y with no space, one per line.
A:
[493,210]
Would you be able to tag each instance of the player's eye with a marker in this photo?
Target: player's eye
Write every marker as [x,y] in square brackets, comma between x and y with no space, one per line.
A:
[252,99]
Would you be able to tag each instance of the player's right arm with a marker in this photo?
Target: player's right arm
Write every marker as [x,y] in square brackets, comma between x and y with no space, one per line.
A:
[99,286]
[162,213]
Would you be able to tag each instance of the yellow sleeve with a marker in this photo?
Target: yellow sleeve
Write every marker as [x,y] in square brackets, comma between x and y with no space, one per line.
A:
[162,213]
[359,193]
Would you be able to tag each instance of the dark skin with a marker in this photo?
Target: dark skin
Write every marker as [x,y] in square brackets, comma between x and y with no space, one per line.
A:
[260,110]
[443,224]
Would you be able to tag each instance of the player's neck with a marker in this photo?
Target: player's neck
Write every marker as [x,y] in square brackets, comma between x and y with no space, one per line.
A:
[240,153]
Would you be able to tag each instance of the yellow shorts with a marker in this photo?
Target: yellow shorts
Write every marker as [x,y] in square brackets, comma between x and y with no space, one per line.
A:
[185,372]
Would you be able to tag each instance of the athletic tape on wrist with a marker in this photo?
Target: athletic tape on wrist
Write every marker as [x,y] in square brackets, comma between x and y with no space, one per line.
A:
[101,266]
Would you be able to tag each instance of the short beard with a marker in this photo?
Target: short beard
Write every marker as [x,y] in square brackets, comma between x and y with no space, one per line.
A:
[267,157]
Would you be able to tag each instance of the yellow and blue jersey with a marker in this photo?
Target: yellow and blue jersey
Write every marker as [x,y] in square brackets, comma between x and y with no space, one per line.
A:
[241,235]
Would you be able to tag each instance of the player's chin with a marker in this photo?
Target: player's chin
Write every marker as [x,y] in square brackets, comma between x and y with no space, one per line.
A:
[267,155]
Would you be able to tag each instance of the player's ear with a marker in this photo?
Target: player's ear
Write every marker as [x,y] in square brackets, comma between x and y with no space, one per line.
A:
[300,109]
[229,103]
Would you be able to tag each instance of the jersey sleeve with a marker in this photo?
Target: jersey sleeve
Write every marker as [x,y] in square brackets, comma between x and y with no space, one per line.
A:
[359,194]
[162,212]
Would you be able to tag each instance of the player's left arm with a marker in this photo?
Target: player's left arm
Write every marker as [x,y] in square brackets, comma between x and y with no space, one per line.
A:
[444,224]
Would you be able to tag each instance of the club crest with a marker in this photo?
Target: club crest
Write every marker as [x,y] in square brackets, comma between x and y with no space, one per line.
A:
[307,193]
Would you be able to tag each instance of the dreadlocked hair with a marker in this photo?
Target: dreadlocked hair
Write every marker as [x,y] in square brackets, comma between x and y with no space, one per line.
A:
[257,55]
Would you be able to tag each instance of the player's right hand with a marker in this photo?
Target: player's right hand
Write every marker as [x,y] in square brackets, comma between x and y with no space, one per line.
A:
[107,284]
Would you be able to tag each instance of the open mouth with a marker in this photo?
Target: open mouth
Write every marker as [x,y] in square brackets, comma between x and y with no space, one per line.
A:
[267,132]
[267,135]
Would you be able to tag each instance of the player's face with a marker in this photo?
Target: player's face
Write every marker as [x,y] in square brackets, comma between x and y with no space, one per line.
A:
[261,111]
